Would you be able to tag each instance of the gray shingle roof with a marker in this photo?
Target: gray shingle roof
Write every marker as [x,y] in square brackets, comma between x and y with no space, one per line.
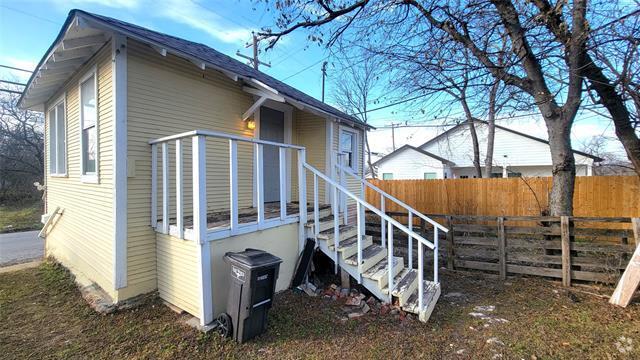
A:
[216,58]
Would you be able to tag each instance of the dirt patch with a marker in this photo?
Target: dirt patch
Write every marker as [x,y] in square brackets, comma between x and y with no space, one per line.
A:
[42,315]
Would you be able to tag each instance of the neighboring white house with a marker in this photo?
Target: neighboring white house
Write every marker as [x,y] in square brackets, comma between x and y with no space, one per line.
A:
[450,155]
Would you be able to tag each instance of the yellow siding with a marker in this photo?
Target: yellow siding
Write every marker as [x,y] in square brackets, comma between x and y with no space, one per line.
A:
[309,130]
[178,273]
[82,239]
[280,241]
[166,96]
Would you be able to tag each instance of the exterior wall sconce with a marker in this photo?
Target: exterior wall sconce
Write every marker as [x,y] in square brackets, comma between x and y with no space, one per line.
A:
[251,124]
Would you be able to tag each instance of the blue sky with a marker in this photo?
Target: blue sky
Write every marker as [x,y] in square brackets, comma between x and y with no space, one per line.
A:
[27,29]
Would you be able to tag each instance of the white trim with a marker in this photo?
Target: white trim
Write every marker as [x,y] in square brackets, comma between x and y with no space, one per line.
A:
[120,205]
[328,158]
[288,130]
[62,99]
[199,178]
[354,146]
[89,177]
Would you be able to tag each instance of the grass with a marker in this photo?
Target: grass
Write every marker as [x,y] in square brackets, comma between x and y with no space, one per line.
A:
[43,316]
[20,217]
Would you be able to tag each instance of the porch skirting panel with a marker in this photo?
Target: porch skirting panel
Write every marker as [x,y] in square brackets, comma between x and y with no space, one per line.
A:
[177,261]
[281,241]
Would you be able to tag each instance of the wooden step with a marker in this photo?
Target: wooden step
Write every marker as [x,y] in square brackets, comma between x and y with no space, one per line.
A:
[346,232]
[379,271]
[324,223]
[406,286]
[323,212]
[431,291]
[370,256]
[349,246]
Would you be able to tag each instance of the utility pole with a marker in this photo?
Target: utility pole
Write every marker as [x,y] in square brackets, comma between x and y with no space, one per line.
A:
[324,74]
[393,134]
[253,60]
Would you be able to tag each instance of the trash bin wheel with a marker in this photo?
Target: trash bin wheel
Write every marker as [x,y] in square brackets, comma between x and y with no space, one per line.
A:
[225,327]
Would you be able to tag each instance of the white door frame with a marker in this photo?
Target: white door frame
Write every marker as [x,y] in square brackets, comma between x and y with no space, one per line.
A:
[288,129]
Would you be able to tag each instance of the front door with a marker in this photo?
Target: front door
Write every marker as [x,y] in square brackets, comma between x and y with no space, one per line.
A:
[271,129]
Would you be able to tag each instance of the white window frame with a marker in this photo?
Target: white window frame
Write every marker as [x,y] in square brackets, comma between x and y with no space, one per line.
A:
[94,176]
[354,147]
[55,104]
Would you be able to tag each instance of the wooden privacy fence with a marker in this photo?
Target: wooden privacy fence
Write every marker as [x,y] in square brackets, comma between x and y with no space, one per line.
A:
[595,196]
[553,247]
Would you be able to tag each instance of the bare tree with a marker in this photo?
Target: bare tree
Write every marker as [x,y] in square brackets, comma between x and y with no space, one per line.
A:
[355,85]
[543,65]
[21,149]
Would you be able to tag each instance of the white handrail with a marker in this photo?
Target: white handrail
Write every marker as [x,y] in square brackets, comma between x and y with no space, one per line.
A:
[222,135]
[373,209]
[396,200]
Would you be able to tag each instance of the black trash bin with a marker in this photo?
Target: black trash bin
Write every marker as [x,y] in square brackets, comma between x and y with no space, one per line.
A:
[251,288]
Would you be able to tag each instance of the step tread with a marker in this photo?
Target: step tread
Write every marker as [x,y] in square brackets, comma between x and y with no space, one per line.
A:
[380,269]
[430,291]
[404,284]
[347,243]
[396,279]
[328,234]
[367,253]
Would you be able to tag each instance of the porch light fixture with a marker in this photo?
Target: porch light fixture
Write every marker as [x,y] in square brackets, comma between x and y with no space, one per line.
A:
[251,124]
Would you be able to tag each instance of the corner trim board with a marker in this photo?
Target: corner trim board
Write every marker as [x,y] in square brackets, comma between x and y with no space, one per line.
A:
[119,78]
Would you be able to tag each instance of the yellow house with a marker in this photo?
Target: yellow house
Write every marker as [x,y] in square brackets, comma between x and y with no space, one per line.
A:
[163,154]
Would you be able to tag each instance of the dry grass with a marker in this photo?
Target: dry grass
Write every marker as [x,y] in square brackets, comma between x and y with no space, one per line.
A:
[20,217]
[43,316]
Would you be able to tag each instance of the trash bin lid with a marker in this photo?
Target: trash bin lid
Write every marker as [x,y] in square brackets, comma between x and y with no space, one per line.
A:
[253,258]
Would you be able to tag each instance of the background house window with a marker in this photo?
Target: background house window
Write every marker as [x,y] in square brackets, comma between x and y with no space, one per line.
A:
[348,146]
[57,140]
[387,176]
[496,175]
[514,174]
[88,122]
[430,175]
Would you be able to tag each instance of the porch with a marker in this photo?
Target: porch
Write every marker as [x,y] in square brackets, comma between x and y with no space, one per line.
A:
[217,202]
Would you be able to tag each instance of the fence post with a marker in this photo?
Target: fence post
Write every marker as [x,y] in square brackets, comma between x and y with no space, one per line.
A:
[566,250]
[450,250]
[502,248]
[635,224]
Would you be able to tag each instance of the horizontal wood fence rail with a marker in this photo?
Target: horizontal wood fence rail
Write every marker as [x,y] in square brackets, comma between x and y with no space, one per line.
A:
[552,247]
[595,196]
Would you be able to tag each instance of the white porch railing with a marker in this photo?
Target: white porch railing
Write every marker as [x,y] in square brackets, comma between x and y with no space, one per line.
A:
[200,231]
[361,204]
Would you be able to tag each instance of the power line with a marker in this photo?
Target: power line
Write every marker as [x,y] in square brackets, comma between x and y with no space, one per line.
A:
[15,68]
[31,15]
[12,82]
[11,91]
[307,68]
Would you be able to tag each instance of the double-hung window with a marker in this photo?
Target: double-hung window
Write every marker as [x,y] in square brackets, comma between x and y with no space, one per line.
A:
[57,140]
[89,128]
[349,147]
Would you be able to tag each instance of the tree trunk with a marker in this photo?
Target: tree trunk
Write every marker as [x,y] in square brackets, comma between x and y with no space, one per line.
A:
[563,166]
[369,163]
[476,149]
[491,130]
[474,136]
[617,109]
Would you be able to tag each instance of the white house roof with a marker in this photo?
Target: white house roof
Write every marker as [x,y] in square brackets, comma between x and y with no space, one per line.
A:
[518,133]
[83,34]
[409,147]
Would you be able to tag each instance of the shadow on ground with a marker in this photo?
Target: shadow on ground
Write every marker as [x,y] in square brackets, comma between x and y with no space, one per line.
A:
[478,317]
